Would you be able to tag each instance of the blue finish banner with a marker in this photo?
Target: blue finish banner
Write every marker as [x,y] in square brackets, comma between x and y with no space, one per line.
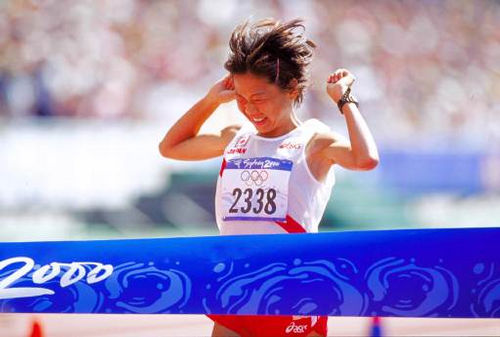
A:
[407,273]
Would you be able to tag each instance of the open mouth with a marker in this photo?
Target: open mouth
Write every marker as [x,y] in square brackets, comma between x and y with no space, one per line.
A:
[258,121]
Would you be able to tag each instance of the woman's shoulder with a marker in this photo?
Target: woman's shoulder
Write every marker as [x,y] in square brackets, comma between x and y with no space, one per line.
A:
[236,132]
[228,133]
[317,130]
[321,135]
[316,125]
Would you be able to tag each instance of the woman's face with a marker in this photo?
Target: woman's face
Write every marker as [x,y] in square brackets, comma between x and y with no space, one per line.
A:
[266,105]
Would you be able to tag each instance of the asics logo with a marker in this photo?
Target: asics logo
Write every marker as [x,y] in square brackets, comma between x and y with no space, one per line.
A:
[290,146]
[254,177]
[295,328]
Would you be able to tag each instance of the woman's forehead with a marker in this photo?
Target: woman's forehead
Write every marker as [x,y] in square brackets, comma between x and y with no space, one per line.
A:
[251,85]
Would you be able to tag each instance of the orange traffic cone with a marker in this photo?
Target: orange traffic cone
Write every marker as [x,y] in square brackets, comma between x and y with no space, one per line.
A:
[36,329]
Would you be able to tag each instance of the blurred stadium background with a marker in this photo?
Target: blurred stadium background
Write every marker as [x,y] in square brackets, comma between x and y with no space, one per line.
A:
[88,89]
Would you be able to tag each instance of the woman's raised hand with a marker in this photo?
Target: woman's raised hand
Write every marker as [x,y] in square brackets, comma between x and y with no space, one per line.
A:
[338,82]
[222,91]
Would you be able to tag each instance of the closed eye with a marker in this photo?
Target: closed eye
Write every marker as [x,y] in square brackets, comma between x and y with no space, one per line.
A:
[240,99]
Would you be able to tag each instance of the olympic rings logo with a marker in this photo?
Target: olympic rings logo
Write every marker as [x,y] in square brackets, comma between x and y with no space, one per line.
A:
[254,177]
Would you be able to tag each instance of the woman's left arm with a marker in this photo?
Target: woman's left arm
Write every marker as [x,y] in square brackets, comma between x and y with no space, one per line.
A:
[360,151]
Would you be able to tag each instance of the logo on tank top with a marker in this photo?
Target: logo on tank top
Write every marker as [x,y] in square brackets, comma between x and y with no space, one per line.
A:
[254,177]
[290,146]
[239,146]
[296,328]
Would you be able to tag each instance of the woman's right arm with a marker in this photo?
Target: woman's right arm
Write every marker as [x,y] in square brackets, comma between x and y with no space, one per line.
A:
[183,142]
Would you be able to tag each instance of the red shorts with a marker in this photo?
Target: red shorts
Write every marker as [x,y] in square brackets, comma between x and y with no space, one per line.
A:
[256,326]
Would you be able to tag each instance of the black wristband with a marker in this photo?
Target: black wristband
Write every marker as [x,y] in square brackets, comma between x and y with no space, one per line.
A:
[347,98]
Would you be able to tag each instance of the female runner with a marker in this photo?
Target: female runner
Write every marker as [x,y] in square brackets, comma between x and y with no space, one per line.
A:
[276,174]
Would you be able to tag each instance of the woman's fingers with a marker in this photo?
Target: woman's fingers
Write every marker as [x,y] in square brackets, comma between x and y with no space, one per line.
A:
[228,83]
[343,75]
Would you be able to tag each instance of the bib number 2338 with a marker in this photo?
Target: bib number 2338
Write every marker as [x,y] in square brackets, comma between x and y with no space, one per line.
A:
[256,189]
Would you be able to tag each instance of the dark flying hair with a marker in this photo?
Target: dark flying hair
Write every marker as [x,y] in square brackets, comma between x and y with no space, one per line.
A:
[272,49]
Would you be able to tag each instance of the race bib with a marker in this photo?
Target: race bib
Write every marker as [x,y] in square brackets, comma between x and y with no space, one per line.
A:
[256,189]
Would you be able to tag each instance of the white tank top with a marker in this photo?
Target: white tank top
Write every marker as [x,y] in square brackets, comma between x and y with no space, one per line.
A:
[265,185]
